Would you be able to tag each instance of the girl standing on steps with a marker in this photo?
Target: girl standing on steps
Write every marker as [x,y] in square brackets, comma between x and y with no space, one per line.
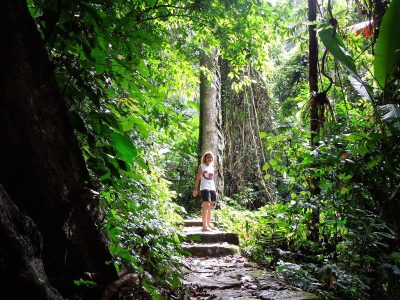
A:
[207,190]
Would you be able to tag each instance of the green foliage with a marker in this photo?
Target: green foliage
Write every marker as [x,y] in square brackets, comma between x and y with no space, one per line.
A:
[329,281]
[335,45]
[387,48]
[352,248]
[354,167]
[142,227]
[248,198]
[129,73]
[180,162]
[124,110]
[82,282]
[386,56]
[289,80]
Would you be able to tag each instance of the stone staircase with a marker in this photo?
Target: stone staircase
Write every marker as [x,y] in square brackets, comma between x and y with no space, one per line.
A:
[214,243]
[215,270]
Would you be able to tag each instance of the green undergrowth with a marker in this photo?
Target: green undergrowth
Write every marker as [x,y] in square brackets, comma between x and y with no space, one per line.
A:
[351,259]
[145,236]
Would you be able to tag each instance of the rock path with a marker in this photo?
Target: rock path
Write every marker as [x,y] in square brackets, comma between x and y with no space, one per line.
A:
[217,273]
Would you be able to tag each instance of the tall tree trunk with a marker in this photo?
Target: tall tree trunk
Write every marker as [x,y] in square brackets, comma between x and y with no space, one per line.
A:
[23,275]
[211,135]
[313,68]
[41,167]
[314,120]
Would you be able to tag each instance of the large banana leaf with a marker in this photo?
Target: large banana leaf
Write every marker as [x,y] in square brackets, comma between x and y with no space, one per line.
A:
[387,48]
[335,46]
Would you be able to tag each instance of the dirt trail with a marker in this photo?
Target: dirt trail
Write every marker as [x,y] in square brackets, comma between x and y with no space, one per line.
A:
[229,276]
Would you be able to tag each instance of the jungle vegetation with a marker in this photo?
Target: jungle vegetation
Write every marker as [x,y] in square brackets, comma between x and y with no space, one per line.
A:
[106,107]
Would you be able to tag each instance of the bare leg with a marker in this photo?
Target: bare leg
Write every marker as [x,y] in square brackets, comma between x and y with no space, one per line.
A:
[205,213]
[209,216]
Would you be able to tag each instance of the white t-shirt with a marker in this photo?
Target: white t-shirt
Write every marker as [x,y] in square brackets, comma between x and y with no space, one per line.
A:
[207,182]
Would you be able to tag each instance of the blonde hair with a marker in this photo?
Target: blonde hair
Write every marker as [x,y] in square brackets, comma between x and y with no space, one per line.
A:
[203,158]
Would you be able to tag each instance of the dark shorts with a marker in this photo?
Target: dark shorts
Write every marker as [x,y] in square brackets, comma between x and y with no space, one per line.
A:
[207,195]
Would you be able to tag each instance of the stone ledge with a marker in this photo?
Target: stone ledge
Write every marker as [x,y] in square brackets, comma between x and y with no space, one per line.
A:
[211,250]
[193,222]
[208,237]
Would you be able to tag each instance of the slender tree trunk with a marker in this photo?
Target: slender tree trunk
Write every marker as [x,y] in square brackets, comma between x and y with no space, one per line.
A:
[41,166]
[314,120]
[211,136]
[227,123]
[313,68]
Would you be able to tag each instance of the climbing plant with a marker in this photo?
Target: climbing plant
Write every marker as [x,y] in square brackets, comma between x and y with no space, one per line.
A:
[323,213]
[354,160]
[129,73]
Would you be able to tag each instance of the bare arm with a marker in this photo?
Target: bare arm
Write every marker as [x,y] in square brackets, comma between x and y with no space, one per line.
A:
[197,182]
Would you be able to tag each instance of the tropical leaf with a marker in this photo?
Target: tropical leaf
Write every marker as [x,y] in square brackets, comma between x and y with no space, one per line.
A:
[390,112]
[335,46]
[363,90]
[387,48]
[124,147]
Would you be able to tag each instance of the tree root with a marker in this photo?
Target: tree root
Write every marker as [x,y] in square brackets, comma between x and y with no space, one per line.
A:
[126,280]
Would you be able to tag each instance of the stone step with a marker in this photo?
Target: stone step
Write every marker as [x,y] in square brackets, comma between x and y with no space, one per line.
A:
[193,222]
[211,250]
[195,234]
